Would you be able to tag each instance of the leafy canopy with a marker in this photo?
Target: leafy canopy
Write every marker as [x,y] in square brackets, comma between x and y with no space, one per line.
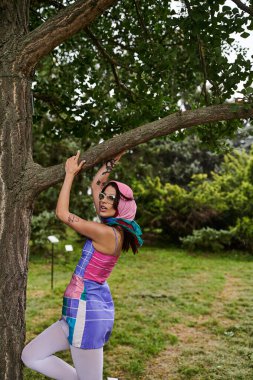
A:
[136,63]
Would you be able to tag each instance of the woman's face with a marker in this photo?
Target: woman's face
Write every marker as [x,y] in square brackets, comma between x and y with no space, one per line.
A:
[106,209]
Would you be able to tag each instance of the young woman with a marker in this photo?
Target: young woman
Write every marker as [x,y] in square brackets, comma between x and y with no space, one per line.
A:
[88,311]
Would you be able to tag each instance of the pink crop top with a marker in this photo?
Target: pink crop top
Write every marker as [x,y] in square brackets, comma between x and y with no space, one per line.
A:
[100,265]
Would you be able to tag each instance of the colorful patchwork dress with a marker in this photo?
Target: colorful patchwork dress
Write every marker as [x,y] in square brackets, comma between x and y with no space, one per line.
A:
[88,307]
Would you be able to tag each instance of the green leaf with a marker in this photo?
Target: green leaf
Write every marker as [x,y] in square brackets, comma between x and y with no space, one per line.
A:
[225,9]
[248,90]
[245,35]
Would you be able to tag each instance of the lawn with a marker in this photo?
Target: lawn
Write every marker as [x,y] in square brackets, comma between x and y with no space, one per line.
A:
[178,315]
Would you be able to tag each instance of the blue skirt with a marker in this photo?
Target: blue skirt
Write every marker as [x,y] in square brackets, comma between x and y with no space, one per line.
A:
[88,313]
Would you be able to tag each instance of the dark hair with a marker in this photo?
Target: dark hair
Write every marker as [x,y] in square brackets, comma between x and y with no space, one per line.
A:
[129,239]
[118,194]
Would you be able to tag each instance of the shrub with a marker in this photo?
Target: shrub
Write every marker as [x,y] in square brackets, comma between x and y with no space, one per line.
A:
[208,238]
[216,210]
[43,225]
[170,208]
[243,231]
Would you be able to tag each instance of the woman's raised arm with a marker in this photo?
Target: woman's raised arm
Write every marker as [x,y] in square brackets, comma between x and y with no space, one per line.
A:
[72,168]
[101,178]
[94,231]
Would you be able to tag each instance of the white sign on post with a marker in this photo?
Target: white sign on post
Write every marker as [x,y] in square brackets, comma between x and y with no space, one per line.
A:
[53,239]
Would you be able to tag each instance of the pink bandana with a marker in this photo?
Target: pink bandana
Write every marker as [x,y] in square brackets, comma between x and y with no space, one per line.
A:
[126,209]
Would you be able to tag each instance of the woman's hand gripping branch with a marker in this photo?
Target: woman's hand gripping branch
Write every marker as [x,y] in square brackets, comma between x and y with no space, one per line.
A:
[72,168]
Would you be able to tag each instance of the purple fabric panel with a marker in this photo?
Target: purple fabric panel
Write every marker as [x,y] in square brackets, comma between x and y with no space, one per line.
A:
[69,312]
[99,315]
[72,302]
[87,253]
[70,307]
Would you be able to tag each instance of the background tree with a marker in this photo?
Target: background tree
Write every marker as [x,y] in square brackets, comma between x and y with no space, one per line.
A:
[130,68]
[171,161]
[213,211]
[229,195]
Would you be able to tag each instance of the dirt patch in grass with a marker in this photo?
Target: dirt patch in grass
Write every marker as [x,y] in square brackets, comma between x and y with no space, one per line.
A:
[229,294]
[191,341]
[197,343]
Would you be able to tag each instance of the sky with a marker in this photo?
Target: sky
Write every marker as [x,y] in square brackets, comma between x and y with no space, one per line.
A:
[244,42]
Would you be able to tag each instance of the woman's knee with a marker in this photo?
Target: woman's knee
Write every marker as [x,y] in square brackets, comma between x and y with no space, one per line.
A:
[26,355]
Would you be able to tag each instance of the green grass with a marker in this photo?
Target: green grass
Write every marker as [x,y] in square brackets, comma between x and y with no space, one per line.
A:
[168,302]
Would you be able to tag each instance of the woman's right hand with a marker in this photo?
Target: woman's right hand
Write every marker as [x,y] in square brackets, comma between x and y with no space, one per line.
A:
[72,166]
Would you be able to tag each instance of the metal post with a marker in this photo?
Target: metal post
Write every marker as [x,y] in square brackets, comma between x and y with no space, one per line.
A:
[52,267]
[52,239]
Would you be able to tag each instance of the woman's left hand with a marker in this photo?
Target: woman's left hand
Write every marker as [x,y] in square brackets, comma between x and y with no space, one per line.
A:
[72,166]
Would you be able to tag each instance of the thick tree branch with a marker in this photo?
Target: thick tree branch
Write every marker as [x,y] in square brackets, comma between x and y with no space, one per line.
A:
[40,178]
[55,31]
[244,7]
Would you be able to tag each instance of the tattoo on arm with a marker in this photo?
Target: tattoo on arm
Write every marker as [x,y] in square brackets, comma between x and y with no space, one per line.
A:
[109,166]
[101,184]
[72,218]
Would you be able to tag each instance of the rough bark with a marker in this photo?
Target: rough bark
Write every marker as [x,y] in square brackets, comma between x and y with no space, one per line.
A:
[38,43]
[16,212]
[45,177]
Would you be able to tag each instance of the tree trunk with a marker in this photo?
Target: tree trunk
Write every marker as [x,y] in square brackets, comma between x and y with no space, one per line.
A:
[13,278]
[16,212]
[16,202]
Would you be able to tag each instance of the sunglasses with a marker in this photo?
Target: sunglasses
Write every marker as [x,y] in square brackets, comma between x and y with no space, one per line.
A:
[109,198]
